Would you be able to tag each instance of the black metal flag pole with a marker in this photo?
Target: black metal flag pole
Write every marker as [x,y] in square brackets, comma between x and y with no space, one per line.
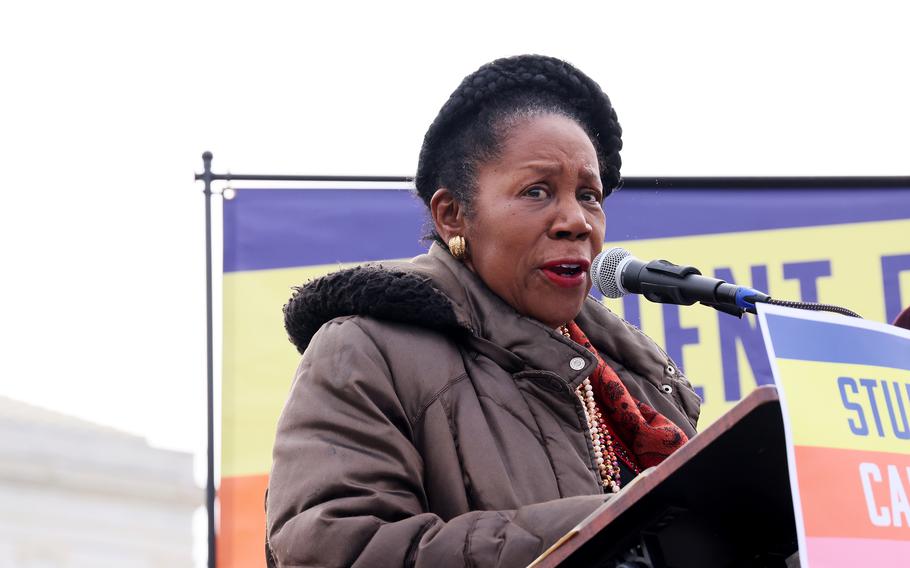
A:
[206,177]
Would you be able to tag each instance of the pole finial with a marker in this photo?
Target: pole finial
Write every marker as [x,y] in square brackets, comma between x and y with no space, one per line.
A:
[206,174]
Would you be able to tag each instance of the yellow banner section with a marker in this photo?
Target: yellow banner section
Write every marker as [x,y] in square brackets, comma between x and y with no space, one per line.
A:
[259,363]
[848,407]
[835,264]
[838,264]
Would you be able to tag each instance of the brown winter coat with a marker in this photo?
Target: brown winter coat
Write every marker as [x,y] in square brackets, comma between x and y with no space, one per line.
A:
[429,424]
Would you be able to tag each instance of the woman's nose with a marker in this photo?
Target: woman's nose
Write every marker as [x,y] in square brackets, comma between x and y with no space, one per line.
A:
[570,221]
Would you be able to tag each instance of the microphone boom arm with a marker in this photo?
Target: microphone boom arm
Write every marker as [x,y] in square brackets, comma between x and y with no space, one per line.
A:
[663,285]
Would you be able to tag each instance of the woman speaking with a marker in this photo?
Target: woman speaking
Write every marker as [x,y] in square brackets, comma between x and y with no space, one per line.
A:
[469,407]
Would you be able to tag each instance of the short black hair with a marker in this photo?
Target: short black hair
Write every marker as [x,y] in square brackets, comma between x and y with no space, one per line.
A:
[470,127]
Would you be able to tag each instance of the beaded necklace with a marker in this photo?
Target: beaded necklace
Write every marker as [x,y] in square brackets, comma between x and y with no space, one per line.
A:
[601,439]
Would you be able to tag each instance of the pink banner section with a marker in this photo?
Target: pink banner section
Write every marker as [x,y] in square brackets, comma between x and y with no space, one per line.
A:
[854,552]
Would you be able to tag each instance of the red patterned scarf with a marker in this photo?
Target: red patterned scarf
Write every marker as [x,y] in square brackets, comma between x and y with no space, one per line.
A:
[646,433]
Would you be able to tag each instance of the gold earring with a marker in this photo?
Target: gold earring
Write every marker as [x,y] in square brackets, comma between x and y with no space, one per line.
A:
[458,247]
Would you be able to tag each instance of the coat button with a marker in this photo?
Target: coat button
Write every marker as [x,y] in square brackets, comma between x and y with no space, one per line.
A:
[670,370]
[577,363]
[666,388]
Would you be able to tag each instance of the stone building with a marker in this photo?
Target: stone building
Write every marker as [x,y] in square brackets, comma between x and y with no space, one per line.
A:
[78,495]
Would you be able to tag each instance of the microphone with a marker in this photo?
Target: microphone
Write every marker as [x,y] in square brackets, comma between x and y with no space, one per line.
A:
[616,273]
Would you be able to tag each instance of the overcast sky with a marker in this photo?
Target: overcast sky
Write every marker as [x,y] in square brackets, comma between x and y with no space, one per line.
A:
[106,108]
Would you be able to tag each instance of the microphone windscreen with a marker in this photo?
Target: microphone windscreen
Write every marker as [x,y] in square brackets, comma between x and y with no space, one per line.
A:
[606,271]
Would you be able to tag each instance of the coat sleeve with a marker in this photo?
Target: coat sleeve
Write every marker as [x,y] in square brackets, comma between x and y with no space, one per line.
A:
[346,485]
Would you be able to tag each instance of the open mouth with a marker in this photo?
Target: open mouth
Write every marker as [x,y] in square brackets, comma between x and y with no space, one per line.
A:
[566,269]
[566,274]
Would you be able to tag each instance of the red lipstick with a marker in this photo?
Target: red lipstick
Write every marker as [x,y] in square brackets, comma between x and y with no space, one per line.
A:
[567,272]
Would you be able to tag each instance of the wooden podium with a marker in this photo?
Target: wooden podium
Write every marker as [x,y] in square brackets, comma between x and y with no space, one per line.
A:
[722,500]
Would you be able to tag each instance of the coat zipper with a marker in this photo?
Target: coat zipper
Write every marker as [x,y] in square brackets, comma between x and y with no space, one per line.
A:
[580,413]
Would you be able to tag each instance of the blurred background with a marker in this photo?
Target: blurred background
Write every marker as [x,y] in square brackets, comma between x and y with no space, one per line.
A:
[106,107]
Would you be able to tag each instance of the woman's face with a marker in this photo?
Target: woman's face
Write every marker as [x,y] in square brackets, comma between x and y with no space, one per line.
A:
[536,221]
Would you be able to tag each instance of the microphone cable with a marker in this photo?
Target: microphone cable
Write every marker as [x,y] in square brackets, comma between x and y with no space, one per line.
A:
[813,306]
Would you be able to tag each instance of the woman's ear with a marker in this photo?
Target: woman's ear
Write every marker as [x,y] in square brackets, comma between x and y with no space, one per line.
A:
[448,214]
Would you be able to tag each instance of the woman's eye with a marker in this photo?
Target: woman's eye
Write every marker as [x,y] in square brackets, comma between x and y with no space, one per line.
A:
[591,196]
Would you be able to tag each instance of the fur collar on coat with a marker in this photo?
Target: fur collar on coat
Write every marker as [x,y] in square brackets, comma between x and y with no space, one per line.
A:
[384,291]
